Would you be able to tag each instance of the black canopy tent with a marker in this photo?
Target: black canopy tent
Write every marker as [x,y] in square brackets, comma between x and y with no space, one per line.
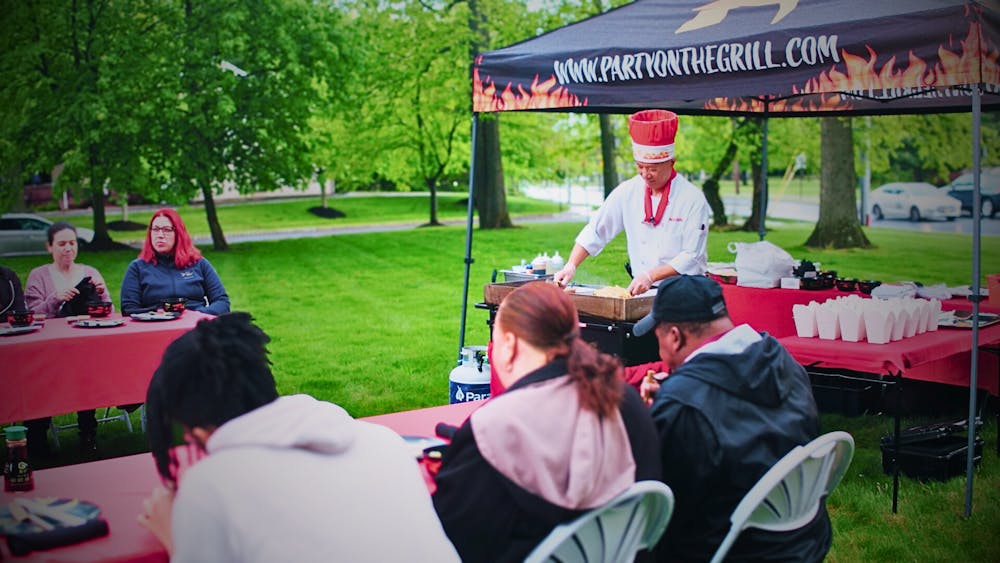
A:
[747,57]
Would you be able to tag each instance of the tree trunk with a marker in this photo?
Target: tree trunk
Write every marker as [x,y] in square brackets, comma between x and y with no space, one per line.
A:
[608,154]
[432,187]
[752,223]
[489,194]
[321,180]
[102,239]
[838,225]
[218,239]
[711,186]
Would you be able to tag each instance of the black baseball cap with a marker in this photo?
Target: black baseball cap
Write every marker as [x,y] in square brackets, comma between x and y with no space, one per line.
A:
[681,299]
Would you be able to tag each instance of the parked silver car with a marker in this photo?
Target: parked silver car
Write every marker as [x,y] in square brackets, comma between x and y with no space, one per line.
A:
[25,233]
[913,201]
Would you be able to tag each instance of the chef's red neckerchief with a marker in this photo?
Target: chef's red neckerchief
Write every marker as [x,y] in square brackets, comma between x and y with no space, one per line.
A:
[655,219]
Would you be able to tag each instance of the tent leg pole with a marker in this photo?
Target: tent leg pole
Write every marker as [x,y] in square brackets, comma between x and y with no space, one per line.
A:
[975,297]
[468,239]
[762,232]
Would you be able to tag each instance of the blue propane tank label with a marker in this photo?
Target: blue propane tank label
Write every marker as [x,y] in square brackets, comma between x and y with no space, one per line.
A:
[465,392]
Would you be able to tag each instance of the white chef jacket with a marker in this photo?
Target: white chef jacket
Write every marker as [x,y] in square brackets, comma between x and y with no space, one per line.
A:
[680,239]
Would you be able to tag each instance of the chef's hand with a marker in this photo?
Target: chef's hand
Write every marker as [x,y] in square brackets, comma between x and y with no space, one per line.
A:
[640,284]
[563,277]
[156,514]
[99,287]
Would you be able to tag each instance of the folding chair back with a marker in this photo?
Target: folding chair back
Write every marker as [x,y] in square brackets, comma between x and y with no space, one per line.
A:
[614,532]
[787,497]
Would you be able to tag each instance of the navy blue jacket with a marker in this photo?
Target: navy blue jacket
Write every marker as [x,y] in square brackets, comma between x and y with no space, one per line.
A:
[146,285]
[724,419]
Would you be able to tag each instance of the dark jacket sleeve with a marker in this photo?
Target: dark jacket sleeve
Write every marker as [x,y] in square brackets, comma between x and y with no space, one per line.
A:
[470,500]
[131,292]
[642,437]
[218,299]
[691,457]
[11,292]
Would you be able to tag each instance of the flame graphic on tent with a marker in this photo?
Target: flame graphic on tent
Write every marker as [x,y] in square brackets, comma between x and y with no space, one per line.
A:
[860,75]
[541,95]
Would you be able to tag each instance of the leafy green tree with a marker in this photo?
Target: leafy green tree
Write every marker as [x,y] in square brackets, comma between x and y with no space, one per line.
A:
[78,96]
[423,95]
[247,76]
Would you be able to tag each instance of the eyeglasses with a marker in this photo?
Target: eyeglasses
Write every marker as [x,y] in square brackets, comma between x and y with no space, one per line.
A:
[164,230]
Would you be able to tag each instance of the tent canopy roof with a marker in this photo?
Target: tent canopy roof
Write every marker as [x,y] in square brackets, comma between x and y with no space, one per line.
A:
[729,56]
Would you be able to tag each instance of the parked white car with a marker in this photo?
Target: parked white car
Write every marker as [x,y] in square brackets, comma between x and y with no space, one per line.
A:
[913,201]
[26,233]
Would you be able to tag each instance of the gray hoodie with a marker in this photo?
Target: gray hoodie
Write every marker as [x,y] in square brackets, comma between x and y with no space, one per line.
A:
[300,480]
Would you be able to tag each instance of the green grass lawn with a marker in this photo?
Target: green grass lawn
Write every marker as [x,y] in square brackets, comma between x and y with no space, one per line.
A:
[371,322]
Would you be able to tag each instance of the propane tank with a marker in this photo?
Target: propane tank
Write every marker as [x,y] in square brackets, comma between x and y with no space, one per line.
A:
[469,381]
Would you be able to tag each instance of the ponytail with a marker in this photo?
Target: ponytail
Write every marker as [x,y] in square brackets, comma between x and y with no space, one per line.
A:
[597,376]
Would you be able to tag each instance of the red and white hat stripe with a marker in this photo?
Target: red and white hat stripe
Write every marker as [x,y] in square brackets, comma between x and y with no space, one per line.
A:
[652,154]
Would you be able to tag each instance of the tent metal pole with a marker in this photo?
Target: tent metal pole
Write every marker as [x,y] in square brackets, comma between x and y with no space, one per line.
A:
[763,172]
[468,239]
[975,297]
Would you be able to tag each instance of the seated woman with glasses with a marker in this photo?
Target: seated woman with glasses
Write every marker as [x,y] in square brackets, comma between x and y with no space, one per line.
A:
[170,266]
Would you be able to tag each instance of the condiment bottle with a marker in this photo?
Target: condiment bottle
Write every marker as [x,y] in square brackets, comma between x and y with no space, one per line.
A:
[538,265]
[556,263]
[17,471]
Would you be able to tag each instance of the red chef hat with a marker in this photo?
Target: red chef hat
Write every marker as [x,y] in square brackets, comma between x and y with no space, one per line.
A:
[653,132]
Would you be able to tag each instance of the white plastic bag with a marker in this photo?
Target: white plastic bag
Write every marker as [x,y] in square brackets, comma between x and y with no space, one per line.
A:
[761,264]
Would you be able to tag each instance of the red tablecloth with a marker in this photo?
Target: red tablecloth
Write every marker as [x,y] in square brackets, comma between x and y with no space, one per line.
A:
[119,486]
[62,368]
[770,310]
[942,356]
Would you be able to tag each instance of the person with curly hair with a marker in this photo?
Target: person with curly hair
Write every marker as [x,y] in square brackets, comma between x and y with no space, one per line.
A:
[284,478]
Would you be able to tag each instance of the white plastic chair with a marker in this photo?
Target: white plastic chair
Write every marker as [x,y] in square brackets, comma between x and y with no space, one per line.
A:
[614,532]
[787,497]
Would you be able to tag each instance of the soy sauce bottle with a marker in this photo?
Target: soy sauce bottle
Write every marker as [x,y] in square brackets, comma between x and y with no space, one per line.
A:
[16,470]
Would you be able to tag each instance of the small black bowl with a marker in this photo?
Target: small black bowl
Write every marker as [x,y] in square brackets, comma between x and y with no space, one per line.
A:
[20,317]
[812,283]
[99,308]
[829,278]
[174,305]
[866,286]
[847,284]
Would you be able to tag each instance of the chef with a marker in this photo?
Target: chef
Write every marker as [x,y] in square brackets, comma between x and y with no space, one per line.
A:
[664,216]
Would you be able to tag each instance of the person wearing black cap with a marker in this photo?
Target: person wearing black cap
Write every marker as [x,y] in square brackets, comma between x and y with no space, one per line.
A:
[735,403]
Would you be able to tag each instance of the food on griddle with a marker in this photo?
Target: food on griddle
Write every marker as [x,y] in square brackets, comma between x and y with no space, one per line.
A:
[613,291]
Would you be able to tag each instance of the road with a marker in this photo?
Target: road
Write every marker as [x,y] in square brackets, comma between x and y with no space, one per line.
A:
[804,211]
[582,198]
